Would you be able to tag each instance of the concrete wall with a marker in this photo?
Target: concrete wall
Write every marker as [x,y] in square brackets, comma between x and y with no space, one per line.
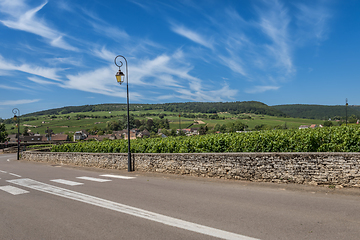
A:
[338,169]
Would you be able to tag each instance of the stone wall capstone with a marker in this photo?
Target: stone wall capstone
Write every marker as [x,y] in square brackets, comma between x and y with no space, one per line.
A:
[337,169]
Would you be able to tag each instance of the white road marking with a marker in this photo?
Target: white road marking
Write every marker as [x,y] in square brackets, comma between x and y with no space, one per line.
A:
[3,171]
[66,182]
[13,190]
[14,174]
[94,179]
[116,176]
[65,193]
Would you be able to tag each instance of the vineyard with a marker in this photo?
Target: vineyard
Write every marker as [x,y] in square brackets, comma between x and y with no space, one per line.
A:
[331,139]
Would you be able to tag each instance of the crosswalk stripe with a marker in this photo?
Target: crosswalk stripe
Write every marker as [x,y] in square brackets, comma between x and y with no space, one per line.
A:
[67,182]
[13,190]
[94,179]
[116,176]
[13,174]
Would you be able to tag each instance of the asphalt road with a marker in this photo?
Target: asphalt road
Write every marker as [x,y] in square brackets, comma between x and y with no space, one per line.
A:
[43,201]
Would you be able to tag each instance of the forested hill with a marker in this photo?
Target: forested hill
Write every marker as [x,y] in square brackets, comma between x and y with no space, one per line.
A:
[188,107]
[230,107]
[318,111]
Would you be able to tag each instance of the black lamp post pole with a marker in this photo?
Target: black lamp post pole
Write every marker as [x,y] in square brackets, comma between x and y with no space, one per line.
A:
[346,111]
[16,113]
[130,167]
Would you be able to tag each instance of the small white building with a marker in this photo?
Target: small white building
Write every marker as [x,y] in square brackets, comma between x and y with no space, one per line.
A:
[80,135]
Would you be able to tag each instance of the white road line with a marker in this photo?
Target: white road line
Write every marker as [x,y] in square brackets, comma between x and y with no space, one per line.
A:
[3,171]
[94,179]
[116,176]
[13,190]
[65,193]
[67,182]
[14,174]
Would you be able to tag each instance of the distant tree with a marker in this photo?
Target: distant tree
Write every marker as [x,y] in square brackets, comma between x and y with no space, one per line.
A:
[149,124]
[352,119]
[137,123]
[202,130]
[261,127]
[26,131]
[173,132]
[94,130]
[181,133]
[328,124]
[113,126]
[165,132]
[123,122]
[3,133]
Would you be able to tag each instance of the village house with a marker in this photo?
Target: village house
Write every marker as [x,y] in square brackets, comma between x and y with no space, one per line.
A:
[80,135]
[59,137]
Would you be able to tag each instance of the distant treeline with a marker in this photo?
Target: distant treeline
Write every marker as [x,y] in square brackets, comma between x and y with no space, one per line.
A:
[188,107]
[322,112]
[319,111]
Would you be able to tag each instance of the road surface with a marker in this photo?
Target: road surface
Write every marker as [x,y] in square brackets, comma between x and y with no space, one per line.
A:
[44,201]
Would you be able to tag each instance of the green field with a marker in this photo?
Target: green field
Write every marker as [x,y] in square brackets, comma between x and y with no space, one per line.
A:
[68,123]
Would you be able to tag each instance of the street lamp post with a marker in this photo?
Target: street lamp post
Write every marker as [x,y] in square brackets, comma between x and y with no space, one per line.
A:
[346,111]
[120,79]
[16,113]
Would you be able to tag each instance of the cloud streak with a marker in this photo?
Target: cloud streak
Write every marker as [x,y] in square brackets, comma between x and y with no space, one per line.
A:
[28,22]
[50,73]
[193,36]
[261,89]
[18,102]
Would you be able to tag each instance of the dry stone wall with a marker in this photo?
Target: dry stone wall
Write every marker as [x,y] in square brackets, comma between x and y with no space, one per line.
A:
[337,169]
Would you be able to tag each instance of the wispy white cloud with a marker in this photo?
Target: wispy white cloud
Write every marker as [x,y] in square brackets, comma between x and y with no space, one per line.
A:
[313,21]
[50,73]
[234,63]
[261,89]
[103,53]
[99,81]
[18,102]
[41,81]
[165,71]
[192,35]
[104,28]
[274,22]
[207,96]
[141,4]
[9,87]
[170,74]
[110,31]
[27,21]
[64,60]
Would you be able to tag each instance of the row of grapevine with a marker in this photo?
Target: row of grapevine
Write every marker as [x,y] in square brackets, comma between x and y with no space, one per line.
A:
[332,139]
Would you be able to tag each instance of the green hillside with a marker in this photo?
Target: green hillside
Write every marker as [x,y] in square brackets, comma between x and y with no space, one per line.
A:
[188,107]
[318,111]
[100,121]
[223,117]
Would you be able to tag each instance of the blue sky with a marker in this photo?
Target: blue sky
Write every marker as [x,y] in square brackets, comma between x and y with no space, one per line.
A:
[61,53]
